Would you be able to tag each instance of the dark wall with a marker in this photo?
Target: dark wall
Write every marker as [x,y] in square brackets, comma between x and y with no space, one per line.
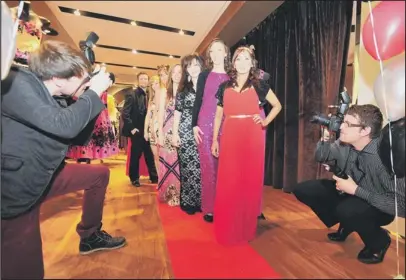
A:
[303,45]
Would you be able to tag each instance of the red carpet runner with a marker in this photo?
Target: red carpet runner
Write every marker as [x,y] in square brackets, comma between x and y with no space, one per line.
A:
[195,253]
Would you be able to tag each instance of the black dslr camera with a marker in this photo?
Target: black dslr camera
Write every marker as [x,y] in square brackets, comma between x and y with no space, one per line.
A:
[334,122]
[87,46]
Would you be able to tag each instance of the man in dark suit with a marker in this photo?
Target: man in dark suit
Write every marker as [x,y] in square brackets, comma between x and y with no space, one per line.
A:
[38,127]
[134,113]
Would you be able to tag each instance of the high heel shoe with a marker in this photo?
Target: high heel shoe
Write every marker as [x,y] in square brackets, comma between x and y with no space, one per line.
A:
[340,235]
[208,218]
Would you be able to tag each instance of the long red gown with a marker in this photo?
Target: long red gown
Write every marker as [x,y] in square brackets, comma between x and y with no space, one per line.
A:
[240,170]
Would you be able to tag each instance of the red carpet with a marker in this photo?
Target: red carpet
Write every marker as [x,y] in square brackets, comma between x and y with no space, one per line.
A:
[195,253]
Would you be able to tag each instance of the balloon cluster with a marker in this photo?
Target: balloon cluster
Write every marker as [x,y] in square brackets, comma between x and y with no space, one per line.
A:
[383,36]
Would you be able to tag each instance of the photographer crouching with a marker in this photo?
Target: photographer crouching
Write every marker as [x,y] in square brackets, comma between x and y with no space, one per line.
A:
[365,201]
[38,126]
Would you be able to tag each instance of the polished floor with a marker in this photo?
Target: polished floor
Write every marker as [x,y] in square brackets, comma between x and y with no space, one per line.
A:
[291,240]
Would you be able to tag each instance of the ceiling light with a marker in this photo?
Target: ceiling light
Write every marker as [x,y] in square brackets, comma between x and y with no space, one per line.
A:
[134,67]
[94,45]
[170,56]
[103,64]
[77,13]
[134,51]
[181,32]
[133,23]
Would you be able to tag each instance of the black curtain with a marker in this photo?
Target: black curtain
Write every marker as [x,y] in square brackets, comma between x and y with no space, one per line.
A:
[303,46]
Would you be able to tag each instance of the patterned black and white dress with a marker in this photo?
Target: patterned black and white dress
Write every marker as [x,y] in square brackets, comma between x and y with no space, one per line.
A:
[190,175]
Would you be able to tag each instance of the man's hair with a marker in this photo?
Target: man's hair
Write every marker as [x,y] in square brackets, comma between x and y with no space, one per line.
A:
[55,59]
[369,116]
[141,73]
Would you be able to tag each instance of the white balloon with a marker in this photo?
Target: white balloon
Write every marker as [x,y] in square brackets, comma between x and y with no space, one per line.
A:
[8,42]
[394,82]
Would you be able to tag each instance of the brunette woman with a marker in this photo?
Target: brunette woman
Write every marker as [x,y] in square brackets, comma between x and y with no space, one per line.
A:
[241,162]
[190,174]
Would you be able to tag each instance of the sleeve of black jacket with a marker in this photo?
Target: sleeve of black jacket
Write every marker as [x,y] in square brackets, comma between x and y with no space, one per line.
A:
[126,114]
[23,103]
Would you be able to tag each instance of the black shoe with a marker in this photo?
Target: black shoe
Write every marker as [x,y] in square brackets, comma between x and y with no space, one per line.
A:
[208,218]
[261,217]
[364,253]
[190,212]
[154,181]
[136,183]
[340,235]
[98,241]
[367,256]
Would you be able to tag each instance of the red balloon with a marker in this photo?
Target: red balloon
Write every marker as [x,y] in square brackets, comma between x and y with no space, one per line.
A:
[389,22]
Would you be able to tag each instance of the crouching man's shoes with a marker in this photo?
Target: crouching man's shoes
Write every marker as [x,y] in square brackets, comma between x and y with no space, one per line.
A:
[98,241]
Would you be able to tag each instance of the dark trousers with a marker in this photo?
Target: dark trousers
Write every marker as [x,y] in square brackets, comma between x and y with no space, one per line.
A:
[21,244]
[353,213]
[139,146]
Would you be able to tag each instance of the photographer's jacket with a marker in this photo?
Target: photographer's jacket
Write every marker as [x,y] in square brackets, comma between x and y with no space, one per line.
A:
[375,185]
[36,132]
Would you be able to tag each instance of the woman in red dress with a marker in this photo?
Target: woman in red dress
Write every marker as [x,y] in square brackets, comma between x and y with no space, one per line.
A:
[242,147]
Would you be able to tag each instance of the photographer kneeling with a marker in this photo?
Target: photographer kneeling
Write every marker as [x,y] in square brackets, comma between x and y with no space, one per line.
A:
[38,126]
[367,201]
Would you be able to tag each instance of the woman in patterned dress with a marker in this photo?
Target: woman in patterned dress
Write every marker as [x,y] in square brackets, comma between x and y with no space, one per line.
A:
[151,120]
[190,174]
[169,178]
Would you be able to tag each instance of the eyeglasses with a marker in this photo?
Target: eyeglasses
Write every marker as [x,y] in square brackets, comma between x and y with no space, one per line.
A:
[348,124]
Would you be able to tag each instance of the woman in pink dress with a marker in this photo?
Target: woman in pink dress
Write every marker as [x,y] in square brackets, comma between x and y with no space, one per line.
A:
[241,155]
[168,174]
[103,143]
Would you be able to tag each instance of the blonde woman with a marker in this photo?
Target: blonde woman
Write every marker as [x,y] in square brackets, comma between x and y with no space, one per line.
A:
[163,74]
[151,120]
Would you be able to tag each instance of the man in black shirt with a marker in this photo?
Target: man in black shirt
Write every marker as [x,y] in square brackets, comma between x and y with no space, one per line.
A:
[134,114]
[367,201]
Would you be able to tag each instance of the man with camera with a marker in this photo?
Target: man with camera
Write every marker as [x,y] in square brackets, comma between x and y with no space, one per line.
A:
[38,126]
[365,201]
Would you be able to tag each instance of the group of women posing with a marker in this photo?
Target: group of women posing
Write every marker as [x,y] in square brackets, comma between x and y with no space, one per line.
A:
[199,169]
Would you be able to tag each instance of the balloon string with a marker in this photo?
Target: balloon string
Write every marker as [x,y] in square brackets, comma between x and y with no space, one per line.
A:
[390,133]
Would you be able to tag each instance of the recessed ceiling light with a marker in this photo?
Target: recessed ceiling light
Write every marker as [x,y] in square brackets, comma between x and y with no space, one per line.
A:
[134,67]
[170,56]
[133,23]
[94,45]
[134,51]
[77,13]
[181,32]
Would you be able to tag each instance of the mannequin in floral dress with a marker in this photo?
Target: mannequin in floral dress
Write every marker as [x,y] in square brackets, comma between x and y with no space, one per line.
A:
[103,143]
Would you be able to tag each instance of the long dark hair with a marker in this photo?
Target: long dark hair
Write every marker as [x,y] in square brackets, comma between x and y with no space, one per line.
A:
[253,77]
[185,63]
[209,62]
[169,88]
